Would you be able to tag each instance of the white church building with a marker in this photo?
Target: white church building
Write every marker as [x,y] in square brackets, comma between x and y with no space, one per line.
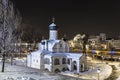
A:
[53,55]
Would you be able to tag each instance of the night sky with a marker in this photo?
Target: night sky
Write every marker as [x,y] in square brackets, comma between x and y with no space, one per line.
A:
[85,16]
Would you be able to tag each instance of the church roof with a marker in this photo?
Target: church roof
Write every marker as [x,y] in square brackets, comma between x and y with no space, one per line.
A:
[40,52]
[69,55]
[53,42]
[52,26]
[56,55]
[75,55]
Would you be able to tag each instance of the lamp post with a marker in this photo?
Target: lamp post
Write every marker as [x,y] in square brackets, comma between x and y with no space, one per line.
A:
[98,71]
[26,45]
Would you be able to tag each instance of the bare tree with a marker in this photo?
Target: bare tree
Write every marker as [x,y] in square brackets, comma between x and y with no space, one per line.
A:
[10,20]
[30,33]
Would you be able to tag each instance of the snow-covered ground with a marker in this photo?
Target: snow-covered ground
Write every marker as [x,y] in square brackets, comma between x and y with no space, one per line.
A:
[19,71]
[105,71]
[15,72]
[117,65]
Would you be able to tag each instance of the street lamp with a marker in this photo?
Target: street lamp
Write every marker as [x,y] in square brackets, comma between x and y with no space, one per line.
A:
[98,71]
[26,45]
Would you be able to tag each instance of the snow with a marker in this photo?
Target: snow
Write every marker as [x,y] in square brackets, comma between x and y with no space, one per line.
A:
[117,65]
[57,55]
[105,71]
[76,55]
[21,72]
[53,24]
[15,72]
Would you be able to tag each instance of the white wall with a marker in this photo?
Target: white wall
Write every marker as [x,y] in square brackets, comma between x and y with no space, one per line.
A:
[35,61]
[53,35]
[61,47]
[29,60]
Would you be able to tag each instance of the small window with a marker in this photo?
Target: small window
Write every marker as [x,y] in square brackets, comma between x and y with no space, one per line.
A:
[68,61]
[33,60]
[60,45]
[47,61]
[37,61]
[64,61]
[56,62]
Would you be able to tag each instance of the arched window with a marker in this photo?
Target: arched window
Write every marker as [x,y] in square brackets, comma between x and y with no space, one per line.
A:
[56,62]
[47,61]
[68,61]
[74,65]
[64,61]
[60,45]
[36,61]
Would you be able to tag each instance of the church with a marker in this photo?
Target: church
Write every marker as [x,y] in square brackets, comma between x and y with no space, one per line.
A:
[54,55]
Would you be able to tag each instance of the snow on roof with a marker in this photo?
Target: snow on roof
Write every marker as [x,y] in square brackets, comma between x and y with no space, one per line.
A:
[56,55]
[69,55]
[50,41]
[40,52]
[53,42]
[75,55]
[53,24]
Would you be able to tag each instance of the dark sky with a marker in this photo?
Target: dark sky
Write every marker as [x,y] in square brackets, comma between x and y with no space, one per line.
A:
[85,16]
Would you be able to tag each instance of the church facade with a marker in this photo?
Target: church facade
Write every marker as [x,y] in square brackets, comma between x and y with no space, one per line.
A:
[53,55]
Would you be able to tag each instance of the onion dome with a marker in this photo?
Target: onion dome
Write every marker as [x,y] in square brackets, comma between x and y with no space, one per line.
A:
[53,25]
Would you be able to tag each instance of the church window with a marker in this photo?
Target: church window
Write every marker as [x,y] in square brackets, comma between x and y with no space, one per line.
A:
[56,62]
[33,60]
[47,61]
[68,61]
[64,61]
[60,45]
[37,61]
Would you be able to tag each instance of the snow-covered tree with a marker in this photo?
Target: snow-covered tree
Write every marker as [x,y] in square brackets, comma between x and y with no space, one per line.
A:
[77,41]
[10,21]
